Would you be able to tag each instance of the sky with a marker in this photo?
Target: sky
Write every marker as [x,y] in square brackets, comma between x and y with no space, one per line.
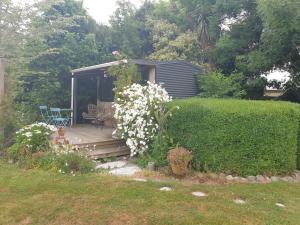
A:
[101,10]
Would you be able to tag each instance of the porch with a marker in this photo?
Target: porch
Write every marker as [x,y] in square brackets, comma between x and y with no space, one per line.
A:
[97,142]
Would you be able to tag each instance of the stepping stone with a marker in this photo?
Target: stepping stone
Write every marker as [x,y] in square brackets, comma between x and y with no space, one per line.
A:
[139,179]
[239,201]
[280,205]
[111,165]
[128,170]
[199,194]
[165,189]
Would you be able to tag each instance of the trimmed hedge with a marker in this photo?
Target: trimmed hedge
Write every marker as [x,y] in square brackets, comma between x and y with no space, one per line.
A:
[237,136]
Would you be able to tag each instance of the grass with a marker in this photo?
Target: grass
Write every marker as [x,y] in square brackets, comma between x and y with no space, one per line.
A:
[41,197]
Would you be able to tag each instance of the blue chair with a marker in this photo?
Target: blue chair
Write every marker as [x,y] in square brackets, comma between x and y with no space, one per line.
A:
[58,120]
[48,119]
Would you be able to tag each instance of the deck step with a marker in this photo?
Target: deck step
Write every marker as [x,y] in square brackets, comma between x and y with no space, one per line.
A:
[102,144]
[109,152]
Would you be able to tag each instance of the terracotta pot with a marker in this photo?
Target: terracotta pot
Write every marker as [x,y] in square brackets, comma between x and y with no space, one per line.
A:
[179,169]
[179,159]
[61,131]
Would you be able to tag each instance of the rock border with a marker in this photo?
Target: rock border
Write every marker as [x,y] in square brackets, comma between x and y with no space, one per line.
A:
[293,178]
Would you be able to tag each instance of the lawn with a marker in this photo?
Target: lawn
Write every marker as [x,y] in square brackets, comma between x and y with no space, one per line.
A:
[40,197]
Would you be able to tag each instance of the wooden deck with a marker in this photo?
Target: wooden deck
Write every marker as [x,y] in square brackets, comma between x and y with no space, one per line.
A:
[87,134]
[99,141]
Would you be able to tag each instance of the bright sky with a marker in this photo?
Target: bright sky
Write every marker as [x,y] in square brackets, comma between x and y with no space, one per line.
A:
[101,10]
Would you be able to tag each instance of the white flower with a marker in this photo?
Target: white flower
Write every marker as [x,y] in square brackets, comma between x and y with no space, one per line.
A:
[133,111]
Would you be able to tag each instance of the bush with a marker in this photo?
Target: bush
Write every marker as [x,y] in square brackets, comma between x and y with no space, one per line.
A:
[217,85]
[157,153]
[136,110]
[35,137]
[72,163]
[237,136]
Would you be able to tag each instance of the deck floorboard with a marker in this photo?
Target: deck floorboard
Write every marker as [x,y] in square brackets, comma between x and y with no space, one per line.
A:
[85,134]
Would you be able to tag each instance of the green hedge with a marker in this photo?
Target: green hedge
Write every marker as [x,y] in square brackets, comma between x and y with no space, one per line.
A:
[237,136]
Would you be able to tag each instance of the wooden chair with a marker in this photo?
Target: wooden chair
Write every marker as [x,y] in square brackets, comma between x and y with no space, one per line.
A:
[91,114]
[105,113]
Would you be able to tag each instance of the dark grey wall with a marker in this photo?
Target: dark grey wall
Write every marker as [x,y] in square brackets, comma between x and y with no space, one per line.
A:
[178,78]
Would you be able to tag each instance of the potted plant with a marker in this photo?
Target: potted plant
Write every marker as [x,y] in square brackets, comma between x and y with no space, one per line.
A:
[179,159]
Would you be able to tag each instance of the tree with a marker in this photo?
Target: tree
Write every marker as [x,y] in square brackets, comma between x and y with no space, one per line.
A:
[217,85]
[280,40]
[129,33]
[62,37]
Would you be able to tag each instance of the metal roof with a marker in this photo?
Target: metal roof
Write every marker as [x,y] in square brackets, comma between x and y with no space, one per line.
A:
[141,62]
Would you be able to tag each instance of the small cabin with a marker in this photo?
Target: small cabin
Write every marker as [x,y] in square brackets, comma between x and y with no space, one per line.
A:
[93,85]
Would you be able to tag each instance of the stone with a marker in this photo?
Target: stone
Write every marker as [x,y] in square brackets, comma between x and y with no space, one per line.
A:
[236,178]
[229,177]
[111,165]
[274,179]
[165,189]
[222,175]
[128,170]
[260,178]
[243,179]
[139,179]
[239,201]
[296,176]
[199,194]
[151,166]
[280,205]
[286,179]
[268,179]
[251,178]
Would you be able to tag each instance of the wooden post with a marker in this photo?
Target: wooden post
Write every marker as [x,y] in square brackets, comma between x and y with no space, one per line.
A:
[1,96]
[1,81]
[74,100]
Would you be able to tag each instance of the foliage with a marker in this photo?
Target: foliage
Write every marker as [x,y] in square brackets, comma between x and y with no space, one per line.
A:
[72,163]
[280,38]
[217,85]
[45,161]
[158,152]
[125,74]
[135,113]
[237,136]
[128,31]
[61,36]
[35,137]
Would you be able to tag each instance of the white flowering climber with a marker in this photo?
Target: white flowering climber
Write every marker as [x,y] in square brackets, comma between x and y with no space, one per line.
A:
[134,111]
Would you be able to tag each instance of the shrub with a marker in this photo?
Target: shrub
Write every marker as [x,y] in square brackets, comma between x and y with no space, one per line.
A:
[218,85]
[157,153]
[136,110]
[72,163]
[237,136]
[35,137]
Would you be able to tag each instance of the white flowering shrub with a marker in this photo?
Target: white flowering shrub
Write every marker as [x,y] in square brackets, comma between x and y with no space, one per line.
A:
[135,110]
[35,137]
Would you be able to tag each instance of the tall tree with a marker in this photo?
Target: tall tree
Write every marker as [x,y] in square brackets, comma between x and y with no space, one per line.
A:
[62,37]
[280,40]
[129,33]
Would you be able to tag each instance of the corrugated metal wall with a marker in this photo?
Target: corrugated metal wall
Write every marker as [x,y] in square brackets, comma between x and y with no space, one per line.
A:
[178,78]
